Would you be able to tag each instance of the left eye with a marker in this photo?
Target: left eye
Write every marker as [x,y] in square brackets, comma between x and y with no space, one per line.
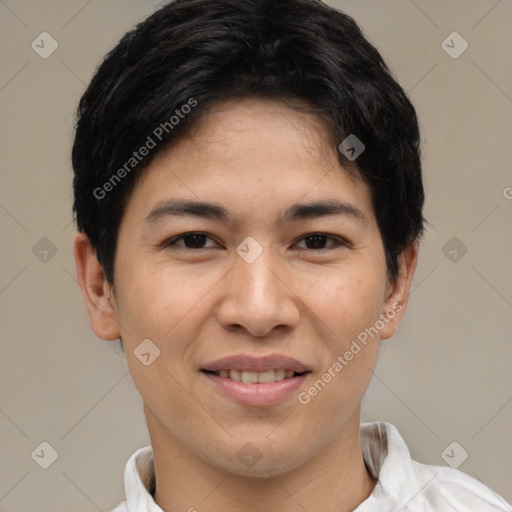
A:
[196,240]
[317,240]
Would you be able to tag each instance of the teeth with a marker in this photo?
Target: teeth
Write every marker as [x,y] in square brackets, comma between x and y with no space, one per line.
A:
[270,376]
[250,377]
[281,374]
[255,377]
[235,375]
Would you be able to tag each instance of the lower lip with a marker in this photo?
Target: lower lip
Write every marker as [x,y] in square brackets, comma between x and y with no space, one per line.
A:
[257,395]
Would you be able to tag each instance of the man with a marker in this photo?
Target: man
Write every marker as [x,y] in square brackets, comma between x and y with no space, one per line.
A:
[249,199]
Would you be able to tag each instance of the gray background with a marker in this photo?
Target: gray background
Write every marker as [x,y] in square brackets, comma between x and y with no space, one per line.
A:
[444,377]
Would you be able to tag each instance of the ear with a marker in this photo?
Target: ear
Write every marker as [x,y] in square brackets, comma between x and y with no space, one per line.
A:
[97,293]
[397,293]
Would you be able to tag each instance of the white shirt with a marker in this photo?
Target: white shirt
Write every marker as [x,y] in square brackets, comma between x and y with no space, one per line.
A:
[403,485]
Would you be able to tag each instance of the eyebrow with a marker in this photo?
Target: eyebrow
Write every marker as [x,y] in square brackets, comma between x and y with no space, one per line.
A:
[205,210]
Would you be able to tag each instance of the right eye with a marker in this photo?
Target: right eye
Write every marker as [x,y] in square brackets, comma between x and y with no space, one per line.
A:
[194,241]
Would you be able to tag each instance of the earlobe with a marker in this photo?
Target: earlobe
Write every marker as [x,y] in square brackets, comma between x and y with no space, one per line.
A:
[96,290]
[398,292]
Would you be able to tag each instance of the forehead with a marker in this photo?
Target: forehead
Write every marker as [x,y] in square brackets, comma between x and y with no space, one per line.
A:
[252,153]
[252,128]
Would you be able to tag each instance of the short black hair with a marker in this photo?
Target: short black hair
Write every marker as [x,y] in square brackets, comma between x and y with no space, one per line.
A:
[167,72]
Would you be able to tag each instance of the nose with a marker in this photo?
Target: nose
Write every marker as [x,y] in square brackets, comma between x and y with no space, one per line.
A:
[258,297]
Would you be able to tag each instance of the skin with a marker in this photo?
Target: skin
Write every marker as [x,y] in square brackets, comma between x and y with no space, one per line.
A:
[256,158]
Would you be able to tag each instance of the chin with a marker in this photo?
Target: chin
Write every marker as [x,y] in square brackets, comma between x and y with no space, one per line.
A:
[253,463]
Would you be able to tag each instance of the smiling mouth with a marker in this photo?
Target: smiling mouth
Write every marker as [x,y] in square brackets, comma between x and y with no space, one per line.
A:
[266,377]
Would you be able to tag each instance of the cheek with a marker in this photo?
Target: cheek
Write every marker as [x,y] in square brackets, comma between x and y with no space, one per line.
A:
[158,302]
[169,308]
[159,308]
[347,302]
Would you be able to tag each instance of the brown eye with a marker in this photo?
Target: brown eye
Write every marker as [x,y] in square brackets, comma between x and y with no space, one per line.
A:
[194,240]
[317,241]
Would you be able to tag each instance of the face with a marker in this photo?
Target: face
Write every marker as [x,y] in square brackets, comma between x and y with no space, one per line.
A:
[260,278]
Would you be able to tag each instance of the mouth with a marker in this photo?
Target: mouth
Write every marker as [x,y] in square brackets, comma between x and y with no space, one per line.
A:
[248,377]
[255,393]
[256,381]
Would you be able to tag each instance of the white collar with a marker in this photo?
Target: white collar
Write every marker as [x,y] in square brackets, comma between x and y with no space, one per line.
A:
[402,484]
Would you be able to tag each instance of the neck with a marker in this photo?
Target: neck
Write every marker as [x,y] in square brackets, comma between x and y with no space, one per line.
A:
[335,480]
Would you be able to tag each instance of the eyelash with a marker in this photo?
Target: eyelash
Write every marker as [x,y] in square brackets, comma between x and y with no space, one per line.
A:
[338,241]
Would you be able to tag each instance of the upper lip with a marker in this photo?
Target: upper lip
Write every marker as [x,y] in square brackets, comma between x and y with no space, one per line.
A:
[246,363]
